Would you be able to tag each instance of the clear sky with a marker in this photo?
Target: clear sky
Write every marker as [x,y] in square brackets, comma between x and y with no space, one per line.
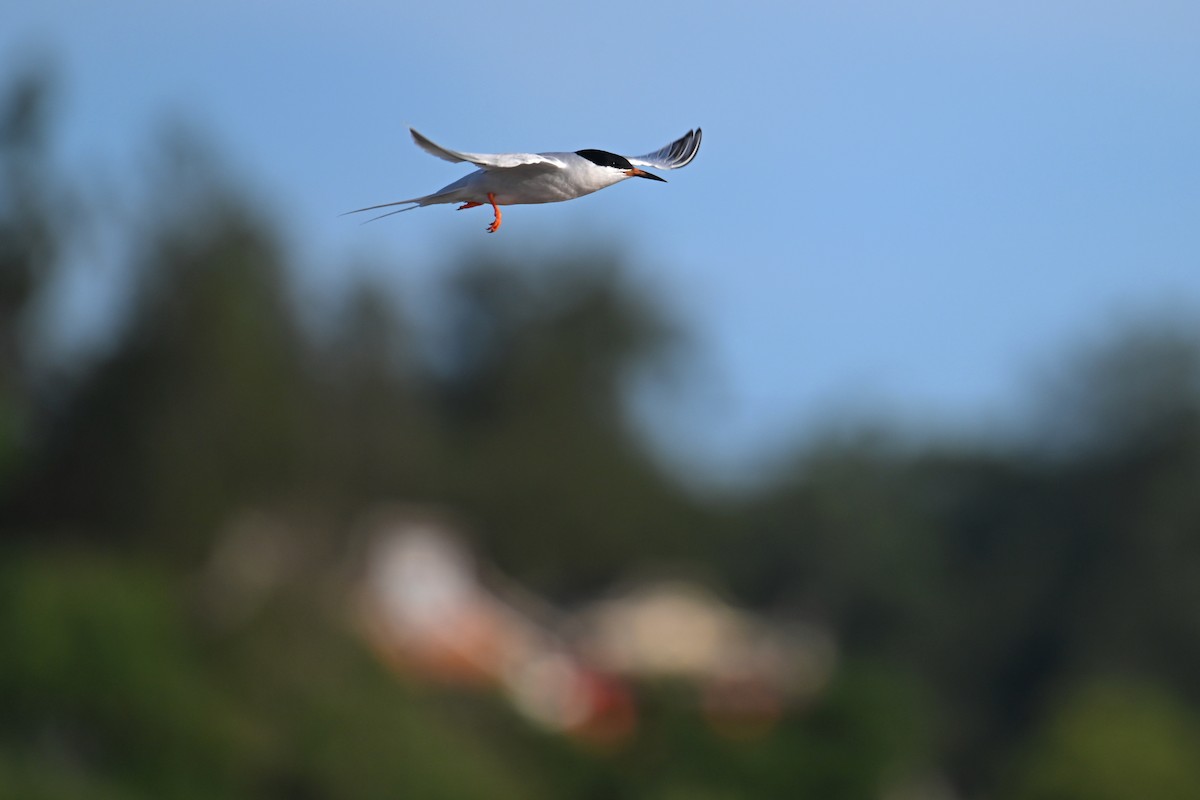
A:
[901,206]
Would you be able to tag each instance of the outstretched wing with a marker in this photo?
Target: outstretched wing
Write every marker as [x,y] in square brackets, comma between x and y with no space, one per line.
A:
[486,160]
[678,153]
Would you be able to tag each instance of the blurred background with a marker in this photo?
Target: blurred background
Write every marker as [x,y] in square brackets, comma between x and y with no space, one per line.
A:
[861,460]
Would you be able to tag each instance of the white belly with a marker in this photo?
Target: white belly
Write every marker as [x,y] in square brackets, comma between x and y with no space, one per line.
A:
[519,185]
[542,187]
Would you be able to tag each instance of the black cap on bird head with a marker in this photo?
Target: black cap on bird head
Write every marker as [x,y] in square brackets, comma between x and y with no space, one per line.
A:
[604,158]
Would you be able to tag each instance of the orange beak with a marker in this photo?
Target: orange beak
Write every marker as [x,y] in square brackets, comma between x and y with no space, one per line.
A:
[637,173]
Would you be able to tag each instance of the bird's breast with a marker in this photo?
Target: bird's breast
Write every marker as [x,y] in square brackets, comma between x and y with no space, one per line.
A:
[554,186]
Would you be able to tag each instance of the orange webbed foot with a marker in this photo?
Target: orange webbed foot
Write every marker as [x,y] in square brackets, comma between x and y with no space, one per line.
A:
[495,226]
[468,205]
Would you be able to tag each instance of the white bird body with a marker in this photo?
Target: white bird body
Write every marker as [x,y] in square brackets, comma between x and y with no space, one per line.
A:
[563,176]
[508,179]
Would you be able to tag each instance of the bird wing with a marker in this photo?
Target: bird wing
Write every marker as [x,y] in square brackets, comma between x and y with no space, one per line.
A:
[678,153]
[487,160]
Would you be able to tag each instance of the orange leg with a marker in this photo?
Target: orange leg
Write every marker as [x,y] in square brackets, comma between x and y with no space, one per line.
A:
[468,205]
[495,226]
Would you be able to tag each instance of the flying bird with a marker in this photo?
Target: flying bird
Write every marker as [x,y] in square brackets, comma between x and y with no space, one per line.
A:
[508,179]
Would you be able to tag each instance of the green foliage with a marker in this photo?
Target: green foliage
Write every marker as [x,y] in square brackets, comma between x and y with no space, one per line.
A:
[1114,741]
[99,682]
[111,690]
[858,741]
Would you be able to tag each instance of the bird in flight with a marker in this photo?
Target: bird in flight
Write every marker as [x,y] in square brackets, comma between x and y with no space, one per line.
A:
[507,179]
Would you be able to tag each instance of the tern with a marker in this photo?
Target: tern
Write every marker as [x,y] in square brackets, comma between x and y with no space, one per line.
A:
[508,179]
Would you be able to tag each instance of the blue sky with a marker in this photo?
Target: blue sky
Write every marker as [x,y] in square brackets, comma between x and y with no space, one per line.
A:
[900,208]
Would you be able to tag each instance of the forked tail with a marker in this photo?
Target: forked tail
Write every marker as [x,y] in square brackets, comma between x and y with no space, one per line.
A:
[416,202]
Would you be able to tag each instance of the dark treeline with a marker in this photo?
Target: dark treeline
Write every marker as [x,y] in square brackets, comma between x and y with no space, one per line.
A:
[1016,619]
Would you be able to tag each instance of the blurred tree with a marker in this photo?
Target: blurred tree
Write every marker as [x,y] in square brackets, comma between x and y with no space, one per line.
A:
[534,364]
[1136,389]
[33,235]
[109,693]
[101,690]
[378,436]
[200,406]
[1125,488]
[1000,573]
[1114,741]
